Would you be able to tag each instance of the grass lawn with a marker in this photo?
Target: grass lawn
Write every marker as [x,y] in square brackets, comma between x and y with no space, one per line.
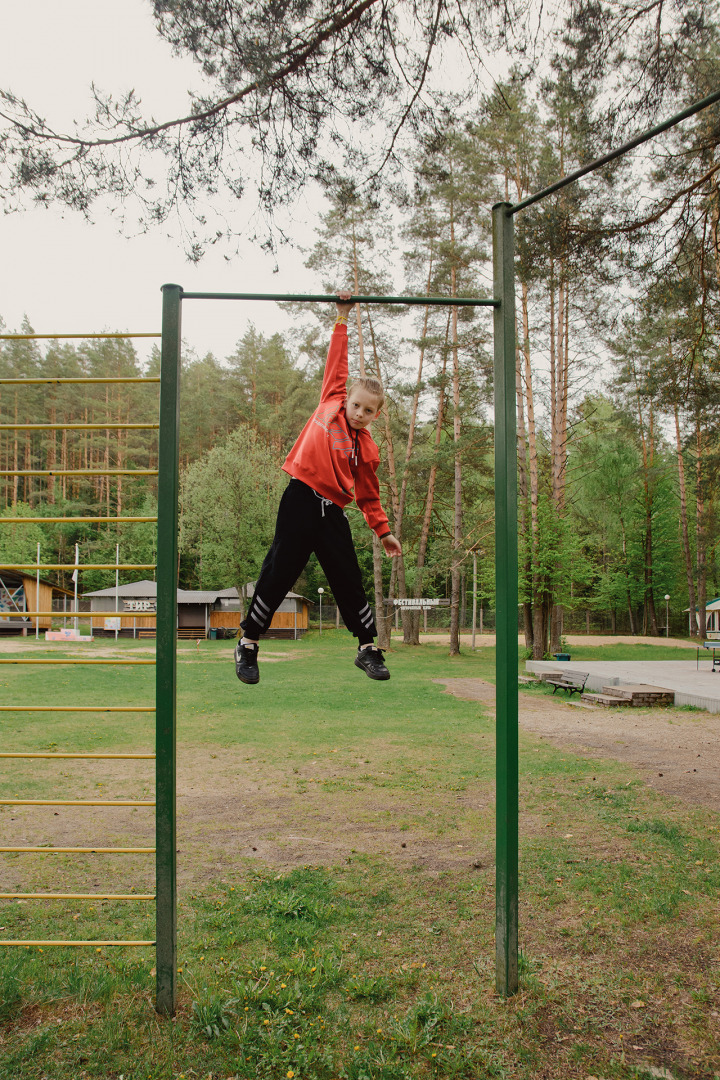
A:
[336,902]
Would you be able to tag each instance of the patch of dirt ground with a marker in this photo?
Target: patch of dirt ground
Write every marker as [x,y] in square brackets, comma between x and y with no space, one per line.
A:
[488,640]
[676,752]
[231,808]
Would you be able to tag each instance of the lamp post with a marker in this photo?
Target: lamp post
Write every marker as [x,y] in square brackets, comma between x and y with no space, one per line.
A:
[667,614]
[321,591]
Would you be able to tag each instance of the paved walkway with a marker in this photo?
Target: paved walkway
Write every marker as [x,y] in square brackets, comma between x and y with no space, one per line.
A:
[692,686]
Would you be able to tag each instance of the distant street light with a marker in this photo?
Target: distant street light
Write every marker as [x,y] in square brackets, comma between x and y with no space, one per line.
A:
[321,591]
[667,614]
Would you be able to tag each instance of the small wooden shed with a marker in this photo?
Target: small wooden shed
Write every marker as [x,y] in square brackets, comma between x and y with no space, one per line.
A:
[289,621]
[19,593]
[130,610]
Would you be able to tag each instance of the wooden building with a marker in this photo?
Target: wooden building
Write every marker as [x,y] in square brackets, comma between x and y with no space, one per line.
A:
[289,621]
[130,611]
[19,593]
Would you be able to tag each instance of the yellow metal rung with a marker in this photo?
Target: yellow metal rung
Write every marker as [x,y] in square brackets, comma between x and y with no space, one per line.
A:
[55,660]
[73,566]
[81,614]
[78,708]
[74,896]
[81,337]
[84,850]
[77,895]
[79,427]
[38,382]
[75,802]
[92,757]
[96,520]
[43,944]
[78,472]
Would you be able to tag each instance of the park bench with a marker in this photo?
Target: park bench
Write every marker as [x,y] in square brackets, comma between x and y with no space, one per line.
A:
[570,681]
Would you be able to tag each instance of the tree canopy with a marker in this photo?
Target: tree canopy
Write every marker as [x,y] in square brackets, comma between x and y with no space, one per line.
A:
[301,91]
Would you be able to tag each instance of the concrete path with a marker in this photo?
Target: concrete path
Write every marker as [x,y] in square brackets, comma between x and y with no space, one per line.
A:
[692,685]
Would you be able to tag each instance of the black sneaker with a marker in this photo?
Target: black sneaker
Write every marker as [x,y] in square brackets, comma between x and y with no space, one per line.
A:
[371,661]
[246,663]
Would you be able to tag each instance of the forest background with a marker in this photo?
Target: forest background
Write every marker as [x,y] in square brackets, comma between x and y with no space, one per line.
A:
[617,363]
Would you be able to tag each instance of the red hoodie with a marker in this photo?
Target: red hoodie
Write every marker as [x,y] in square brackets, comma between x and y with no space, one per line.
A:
[329,456]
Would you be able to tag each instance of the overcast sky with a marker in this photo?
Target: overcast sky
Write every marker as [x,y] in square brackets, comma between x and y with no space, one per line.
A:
[69,276]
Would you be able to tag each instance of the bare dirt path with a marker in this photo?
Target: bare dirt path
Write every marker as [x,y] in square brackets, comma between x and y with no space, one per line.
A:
[488,640]
[676,752]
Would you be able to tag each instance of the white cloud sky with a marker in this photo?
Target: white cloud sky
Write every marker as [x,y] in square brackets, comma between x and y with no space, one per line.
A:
[69,276]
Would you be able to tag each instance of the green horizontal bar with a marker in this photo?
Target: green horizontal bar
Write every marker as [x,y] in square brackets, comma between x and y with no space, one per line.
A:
[323,298]
[38,382]
[606,158]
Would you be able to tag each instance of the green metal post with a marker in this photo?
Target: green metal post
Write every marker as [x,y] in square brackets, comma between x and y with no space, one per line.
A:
[506,578]
[166,671]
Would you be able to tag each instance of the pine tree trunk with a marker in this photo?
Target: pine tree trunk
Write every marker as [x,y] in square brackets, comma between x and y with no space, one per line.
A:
[627,578]
[383,629]
[457,507]
[398,563]
[523,488]
[52,454]
[15,457]
[685,532]
[382,620]
[559,378]
[27,480]
[538,638]
[411,619]
[63,462]
[430,497]
[700,534]
[120,460]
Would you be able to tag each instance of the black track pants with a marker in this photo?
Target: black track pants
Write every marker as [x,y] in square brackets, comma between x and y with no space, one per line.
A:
[306,524]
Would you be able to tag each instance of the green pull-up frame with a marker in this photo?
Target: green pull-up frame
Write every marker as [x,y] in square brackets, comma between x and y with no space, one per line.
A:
[506,587]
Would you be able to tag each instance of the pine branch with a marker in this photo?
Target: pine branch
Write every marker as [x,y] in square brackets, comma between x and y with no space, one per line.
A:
[294,61]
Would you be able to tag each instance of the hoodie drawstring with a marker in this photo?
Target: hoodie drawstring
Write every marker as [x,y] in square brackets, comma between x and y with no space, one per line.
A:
[323,501]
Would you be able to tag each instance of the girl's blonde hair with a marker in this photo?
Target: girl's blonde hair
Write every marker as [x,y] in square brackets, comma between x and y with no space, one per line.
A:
[373,386]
